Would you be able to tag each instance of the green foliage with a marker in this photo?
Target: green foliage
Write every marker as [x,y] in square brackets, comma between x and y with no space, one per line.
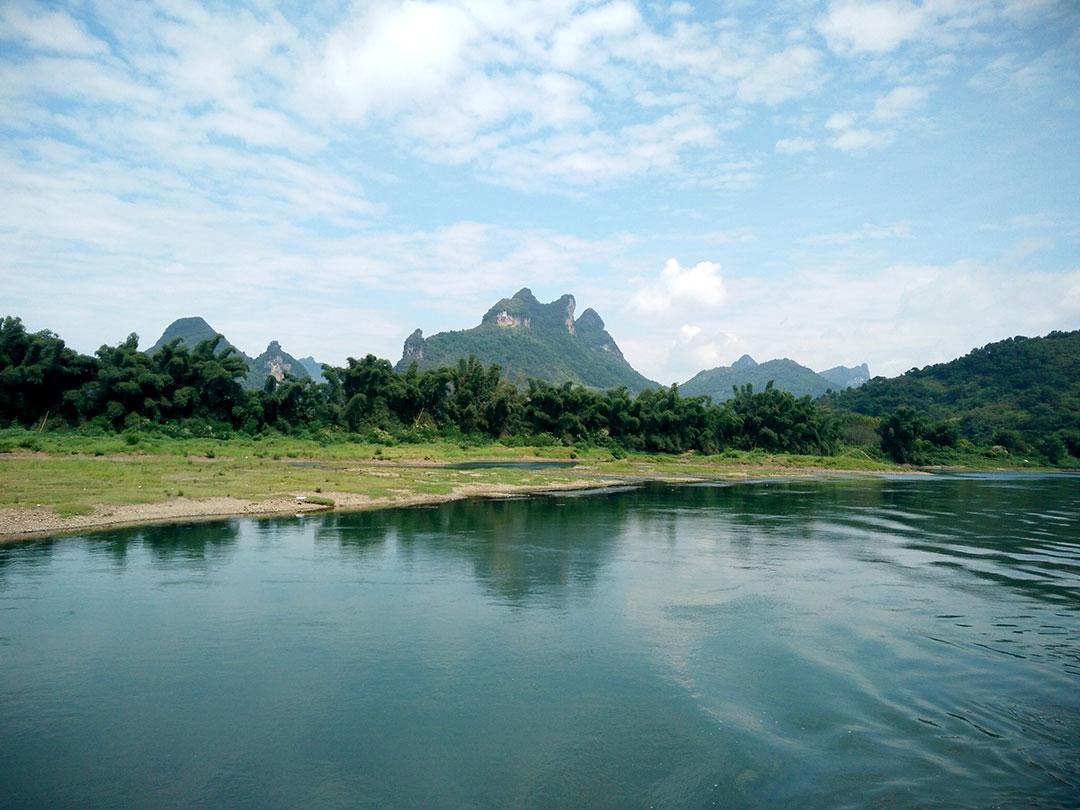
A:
[900,435]
[39,375]
[1020,394]
[197,392]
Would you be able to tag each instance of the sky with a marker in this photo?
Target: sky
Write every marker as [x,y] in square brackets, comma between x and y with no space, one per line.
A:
[885,181]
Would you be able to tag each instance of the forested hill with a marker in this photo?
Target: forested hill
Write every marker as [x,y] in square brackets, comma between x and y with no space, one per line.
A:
[528,339]
[784,374]
[1024,386]
[274,362]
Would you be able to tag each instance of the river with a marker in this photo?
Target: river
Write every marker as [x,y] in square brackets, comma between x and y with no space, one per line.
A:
[892,642]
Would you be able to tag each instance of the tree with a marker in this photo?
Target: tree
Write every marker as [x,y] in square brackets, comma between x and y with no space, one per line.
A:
[900,433]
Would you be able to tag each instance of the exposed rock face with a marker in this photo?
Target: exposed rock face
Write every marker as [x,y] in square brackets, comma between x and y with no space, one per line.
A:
[505,319]
[414,348]
[277,363]
[568,302]
[746,361]
[277,366]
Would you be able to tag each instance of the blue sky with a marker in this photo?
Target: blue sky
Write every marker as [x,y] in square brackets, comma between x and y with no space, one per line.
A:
[887,181]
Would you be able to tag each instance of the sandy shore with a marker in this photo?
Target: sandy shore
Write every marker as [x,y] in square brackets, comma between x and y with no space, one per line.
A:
[17,524]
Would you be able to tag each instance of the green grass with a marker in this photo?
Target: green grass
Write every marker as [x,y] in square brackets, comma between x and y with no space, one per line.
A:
[73,473]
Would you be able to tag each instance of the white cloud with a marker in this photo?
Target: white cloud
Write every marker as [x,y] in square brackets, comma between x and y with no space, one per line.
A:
[393,58]
[795,146]
[688,332]
[681,289]
[852,27]
[45,30]
[844,120]
[900,102]
[782,76]
[857,140]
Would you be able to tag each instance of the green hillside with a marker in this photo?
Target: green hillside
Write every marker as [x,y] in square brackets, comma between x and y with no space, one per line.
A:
[1019,393]
[785,374]
[274,362]
[191,332]
[528,339]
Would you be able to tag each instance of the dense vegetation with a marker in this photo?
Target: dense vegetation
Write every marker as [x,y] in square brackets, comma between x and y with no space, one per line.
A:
[1016,401]
[526,338]
[193,331]
[42,382]
[1019,396]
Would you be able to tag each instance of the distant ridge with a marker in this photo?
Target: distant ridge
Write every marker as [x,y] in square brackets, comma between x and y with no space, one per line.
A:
[530,339]
[785,374]
[844,377]
[274,362]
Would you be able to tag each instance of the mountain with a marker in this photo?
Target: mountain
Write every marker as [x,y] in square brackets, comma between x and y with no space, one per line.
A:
[191,331]
[276,363]
[843,377]
[785,374]
[273,362]
[1024,386]
[313,368]
[530,339]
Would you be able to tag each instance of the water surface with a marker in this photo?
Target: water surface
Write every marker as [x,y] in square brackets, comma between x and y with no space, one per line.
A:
[891,643]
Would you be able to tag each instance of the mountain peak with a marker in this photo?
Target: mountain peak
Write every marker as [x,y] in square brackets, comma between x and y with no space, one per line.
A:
[746,361]
[589,320]
[528,338]
[526,295]
[190,331]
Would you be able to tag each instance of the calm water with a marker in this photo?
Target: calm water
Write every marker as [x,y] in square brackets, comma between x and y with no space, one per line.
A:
[888,643]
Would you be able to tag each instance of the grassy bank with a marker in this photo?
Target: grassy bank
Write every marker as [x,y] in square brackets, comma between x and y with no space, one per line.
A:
[96,480]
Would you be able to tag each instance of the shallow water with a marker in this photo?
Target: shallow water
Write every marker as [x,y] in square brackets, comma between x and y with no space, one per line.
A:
[889,643]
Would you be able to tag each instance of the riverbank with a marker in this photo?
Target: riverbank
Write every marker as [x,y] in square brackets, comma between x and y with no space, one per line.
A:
[73,484]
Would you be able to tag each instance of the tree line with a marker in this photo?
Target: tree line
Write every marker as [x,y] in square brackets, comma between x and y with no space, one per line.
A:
[43,382]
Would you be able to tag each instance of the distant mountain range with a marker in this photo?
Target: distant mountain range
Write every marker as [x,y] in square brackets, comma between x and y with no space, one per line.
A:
[785,374]
[274,362]
[530,339]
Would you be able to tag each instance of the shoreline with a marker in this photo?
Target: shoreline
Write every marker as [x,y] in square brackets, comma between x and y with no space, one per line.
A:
[20,524]
[51,495]
[27,524]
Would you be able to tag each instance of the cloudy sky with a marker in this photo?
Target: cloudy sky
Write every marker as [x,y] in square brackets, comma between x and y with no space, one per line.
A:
[883,180]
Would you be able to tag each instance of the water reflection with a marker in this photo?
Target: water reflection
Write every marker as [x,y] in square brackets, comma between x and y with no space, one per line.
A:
[208,542]
[518,549]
